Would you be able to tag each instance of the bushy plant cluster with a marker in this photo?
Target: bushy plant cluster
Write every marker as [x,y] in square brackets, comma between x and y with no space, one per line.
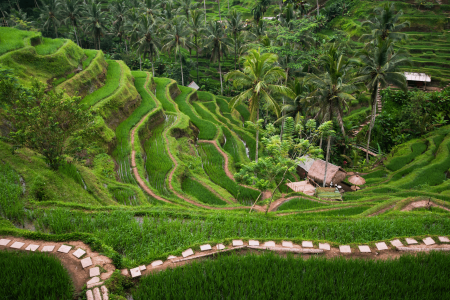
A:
[408,115]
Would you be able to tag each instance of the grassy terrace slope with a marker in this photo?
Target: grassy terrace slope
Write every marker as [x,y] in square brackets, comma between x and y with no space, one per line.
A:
[428,41]
[417,168]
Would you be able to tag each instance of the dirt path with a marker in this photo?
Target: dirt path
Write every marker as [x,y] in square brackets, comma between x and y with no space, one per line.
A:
[314,211]
[133,152]
[423,203]
[381,211]
[225,157]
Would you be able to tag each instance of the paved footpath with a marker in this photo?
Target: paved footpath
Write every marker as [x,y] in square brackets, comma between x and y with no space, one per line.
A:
[92,269]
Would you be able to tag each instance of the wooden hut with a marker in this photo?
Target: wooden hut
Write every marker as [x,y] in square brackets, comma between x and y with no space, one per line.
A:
[315,169]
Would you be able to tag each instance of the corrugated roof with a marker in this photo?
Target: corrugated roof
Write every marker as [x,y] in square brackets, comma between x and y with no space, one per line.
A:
[417,77]
[193,85]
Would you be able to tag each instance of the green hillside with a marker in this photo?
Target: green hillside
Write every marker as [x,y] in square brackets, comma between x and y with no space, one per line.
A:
[160,167]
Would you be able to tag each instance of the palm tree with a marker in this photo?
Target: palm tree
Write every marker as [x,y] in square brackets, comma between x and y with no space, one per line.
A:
[95,20]
[235,26]
[386,24]
[220,16]
[50,14]
[71,13]
[177,38]
[187,6]
[151,8]
[219,43]
[260,74]
[148,43]
[333,89]
[380,68]
[197,29]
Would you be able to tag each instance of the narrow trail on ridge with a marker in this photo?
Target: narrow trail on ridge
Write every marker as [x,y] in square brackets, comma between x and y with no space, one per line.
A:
[133,152]
[175,163]
[225,157]
[214,191]
[314,211]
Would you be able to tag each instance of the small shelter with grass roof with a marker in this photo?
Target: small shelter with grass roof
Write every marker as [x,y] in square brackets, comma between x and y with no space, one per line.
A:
[315,169]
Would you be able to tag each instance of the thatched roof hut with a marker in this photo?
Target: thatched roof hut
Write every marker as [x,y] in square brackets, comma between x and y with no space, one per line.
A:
[316,172]
[302,186]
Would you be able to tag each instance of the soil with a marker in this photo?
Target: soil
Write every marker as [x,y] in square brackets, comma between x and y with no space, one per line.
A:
[423,203]
[79,275]
[381,211]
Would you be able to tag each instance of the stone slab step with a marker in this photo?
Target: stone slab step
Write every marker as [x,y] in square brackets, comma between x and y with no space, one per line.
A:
[17,245]
[32,247]
[253,243]
[79,253]
[345,249]
[156,263]
[237,243]
[94,272]
[410,241]
[86,262]
[381,246]
[364,249]
[307,244]
[205,247]
[397,243]
[287,244]
[136,272]
[324,246]
[97,295]
[104,291]
[48,249]
[64,249]
[269,244]
[187,253]
[220,246]
[429,241]
[4,242]
[444,239]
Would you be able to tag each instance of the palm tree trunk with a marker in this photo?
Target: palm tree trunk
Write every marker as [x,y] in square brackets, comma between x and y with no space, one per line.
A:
[317,7]
[235,50]
[220,16]
[151,59]
[372,119]
[326,160]
[196,50]
[204,6]
[140,63]
[257,136]
[220,73]
[126,47]
[282,111]
[56,31]
[341,123]
[182,76]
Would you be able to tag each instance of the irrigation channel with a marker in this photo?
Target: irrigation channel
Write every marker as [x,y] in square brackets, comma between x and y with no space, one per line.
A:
[158,163]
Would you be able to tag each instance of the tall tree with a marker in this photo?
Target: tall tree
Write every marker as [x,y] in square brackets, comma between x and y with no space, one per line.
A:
[71,13]
[380,68]
[50,14]
[152,9]
[385,24]
[148,41]
[235,25]
[95,21]
[333,89]
[177,38]
[197,28]
[259,76]
[53,124]
[219,44]
[187,6]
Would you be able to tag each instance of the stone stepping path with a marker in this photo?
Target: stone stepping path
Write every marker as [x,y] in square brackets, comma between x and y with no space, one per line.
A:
[96,289]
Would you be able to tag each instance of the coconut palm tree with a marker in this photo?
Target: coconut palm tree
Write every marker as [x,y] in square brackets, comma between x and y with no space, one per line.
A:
[176,38]
[259,76]
[95,21]
[235,25]
[152,9]
[148,41]
[218,43]
[333,89]
[187,6]
[197,28]
[50,14]
[380,68]
[385,24]
[71,13]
